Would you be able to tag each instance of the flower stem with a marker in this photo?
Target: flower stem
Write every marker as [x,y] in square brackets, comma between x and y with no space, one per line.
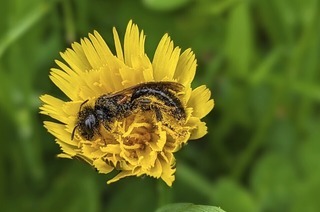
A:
[164,195]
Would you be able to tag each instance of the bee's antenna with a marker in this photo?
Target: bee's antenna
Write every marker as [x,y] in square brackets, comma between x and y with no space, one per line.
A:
[83,103]
[73,131]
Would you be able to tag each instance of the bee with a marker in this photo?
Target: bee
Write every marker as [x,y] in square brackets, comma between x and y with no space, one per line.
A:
[151,96]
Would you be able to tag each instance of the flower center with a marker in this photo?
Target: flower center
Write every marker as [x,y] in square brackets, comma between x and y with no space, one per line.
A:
[136,140]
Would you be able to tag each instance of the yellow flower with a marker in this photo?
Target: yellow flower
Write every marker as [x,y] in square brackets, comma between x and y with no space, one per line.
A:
[139,143]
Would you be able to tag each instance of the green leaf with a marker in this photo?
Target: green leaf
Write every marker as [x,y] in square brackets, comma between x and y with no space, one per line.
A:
[165,5]
[188,207]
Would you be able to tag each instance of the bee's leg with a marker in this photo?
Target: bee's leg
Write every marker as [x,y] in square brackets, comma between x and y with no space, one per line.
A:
[146,104]
[124,110]
[106,126]
[157,112]
[142,103]
[122,100]
[98,132]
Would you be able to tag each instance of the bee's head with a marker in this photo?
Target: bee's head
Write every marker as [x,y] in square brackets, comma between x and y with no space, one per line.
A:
[87,123]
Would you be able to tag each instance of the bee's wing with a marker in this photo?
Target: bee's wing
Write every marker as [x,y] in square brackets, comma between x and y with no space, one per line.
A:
[127,92]
[174,86]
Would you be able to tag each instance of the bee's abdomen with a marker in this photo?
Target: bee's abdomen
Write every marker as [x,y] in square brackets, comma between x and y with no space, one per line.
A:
[163,95]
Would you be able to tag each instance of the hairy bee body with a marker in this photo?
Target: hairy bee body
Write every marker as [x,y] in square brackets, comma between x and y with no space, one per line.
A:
[115,107]
[143,97]
[160,97]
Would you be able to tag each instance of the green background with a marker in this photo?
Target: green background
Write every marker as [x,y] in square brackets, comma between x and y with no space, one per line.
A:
[260,58]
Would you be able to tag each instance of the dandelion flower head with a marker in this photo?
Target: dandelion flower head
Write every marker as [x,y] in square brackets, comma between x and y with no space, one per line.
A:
[139,143]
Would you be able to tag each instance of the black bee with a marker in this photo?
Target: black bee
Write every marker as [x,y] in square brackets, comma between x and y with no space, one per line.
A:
[155,96]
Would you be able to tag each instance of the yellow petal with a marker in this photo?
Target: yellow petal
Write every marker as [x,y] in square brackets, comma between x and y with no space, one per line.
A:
[156,170]
[71,77]
[83,158]
[91,53]
[67,148]
[59,131]
[131,44]
[117,44]
[113,63]
[121,175]
[199,101]
[165,59]
[186,68]
[67,69]
[139,66]
[63,81]
[76,59]
[198,128]
[91,88]
[110,78]
[53,107]
[102,166]
[168,171]
[131,76]
[63,155]
[100,50]
[111,148]
[148,158]
[158,140]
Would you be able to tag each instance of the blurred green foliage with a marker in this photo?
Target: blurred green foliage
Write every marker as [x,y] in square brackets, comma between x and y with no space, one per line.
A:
[260,58]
